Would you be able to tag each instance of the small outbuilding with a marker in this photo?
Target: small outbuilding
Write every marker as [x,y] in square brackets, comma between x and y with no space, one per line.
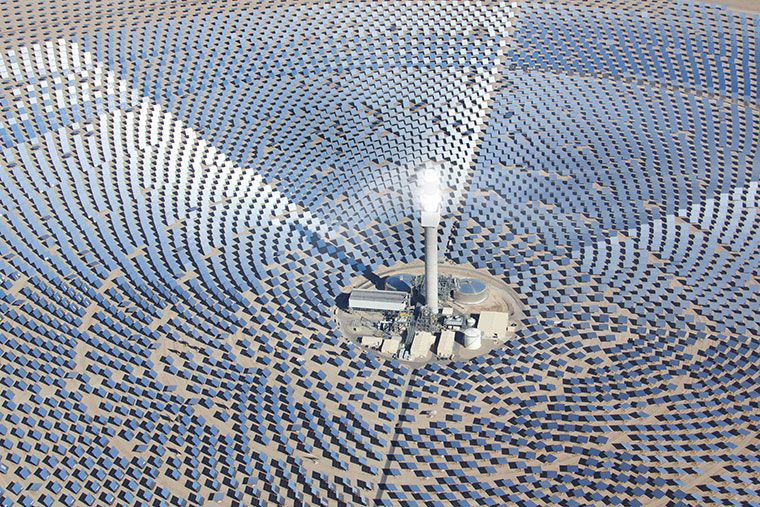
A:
[391,346]
[494,325]
[421,345]
[445,348]
[372,342]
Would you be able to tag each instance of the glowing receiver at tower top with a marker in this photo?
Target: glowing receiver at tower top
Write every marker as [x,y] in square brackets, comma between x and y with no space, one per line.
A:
[430,196]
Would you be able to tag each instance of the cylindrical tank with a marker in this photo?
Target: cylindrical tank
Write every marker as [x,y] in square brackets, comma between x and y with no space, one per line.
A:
[401,282]
[472,338]
[470,291]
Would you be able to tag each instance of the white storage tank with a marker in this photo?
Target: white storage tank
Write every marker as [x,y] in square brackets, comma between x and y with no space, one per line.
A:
[401,283]
[470,291]
[472,338]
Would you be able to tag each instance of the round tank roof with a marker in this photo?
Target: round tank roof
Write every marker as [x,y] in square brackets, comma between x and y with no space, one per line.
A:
[471,286]
[470,291]
[402,282]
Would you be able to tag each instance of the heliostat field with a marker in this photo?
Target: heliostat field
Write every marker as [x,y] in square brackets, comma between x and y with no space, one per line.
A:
[186,189]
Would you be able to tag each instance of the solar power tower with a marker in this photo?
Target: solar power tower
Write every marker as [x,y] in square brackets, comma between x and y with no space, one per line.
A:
[430,216]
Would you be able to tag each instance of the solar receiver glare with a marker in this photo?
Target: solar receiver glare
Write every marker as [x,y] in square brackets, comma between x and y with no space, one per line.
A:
[430,196]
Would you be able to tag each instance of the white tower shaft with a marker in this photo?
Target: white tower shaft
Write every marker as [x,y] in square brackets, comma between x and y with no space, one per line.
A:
[431,268]
[430,216]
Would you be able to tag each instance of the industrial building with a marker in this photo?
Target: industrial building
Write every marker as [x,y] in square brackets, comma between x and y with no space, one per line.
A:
[379,300]
[421,345]
[445,345]
[493,325]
